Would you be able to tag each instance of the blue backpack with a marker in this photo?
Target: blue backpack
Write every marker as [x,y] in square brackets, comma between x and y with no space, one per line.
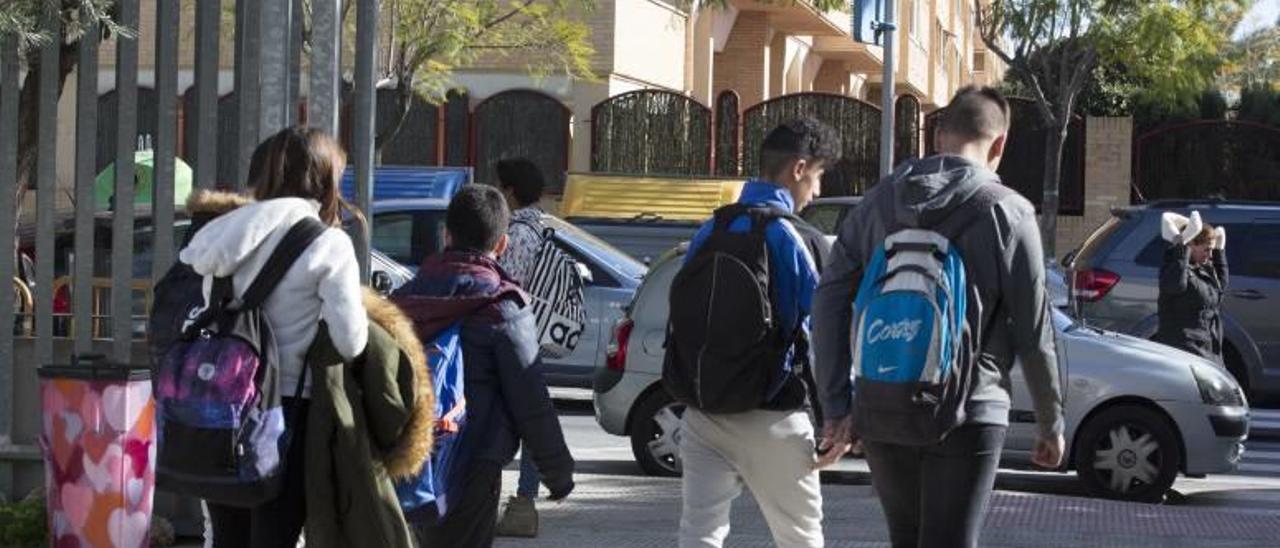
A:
[912,370]
[426,497]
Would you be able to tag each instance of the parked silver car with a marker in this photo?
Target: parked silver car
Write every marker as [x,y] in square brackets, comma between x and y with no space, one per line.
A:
[408,230]
[1138,413]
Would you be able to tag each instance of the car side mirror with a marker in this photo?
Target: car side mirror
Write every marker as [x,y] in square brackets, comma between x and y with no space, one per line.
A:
[584,272]
[381,282]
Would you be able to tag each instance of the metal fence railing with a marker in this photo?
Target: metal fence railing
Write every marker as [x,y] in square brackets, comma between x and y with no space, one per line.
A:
[89,281]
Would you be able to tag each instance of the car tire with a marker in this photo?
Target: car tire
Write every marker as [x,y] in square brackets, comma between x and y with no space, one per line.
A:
[655,434]
[1124,472]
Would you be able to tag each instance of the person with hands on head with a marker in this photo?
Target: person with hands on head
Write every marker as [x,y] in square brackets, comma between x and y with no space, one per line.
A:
[934,470]
[1193,279]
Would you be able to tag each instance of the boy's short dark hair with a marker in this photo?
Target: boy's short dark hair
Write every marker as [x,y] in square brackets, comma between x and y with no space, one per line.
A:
[803,138]
[524,179]
[477,218]
[976,112]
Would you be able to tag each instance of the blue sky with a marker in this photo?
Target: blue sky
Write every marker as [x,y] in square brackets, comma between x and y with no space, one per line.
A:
[1263,13]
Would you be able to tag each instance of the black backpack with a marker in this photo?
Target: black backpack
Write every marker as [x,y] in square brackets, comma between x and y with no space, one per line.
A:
[222,434]
[726,352]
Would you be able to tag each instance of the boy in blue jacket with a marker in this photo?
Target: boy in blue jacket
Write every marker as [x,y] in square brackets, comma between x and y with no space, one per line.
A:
[507,399]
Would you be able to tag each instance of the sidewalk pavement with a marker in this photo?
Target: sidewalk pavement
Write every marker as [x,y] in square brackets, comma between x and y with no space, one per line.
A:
[629,511]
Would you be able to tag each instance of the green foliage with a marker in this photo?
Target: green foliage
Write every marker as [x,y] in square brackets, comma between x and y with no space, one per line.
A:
[23,18]
[1253,61]
[23,523]
[432,38]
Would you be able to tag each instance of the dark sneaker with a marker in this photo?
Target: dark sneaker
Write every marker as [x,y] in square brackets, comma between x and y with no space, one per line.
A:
[520,519]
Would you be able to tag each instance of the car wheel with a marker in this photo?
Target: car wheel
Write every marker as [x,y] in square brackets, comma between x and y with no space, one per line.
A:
[1130,453]
[655,434]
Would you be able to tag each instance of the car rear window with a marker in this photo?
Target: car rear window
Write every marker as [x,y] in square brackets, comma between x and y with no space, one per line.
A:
[1100,240]
[1152,254]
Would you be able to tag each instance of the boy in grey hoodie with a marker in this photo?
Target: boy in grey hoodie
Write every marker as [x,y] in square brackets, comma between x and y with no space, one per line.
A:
[936,495]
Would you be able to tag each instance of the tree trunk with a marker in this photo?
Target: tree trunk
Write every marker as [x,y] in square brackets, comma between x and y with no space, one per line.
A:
[1054,140]
[29,118]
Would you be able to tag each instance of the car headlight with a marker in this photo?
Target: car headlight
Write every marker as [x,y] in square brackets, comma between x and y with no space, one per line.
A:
[1217,387]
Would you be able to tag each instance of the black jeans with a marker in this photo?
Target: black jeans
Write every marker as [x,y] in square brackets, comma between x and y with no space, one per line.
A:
[472,520]
[937,495]
[276,524]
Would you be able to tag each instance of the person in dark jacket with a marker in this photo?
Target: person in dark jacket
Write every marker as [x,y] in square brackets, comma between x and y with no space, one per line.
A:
[1193,279]
[507,399]
[936,494]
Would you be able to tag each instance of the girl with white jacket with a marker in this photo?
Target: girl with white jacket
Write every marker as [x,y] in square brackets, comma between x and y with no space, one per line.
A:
[299,179]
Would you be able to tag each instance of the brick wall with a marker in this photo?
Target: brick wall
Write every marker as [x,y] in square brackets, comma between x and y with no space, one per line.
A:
[743,66]
[1107,156]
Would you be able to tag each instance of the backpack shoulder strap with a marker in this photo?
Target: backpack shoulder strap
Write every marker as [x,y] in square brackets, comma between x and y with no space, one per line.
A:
[294,243]
[975,208]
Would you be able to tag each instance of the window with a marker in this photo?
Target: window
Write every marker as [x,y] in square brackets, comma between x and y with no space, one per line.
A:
[393,235]
[1153,253]
[1263,260]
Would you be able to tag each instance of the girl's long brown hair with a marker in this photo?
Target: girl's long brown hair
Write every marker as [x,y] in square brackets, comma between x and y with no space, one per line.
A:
[303,162]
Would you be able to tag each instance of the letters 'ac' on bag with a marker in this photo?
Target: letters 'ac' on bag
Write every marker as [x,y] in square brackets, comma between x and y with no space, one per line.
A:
[222,433]
[909,328]
[426,498]
[556,289]
[725,348]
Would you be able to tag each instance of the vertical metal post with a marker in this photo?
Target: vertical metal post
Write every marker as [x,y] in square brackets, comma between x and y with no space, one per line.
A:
[8,184]
[46,184]
[365,98]
[273,72]
[889,27]
[208,33]
[126,145]
[326,41]
[86,203]
[167,20]
[296,21]
[247,66]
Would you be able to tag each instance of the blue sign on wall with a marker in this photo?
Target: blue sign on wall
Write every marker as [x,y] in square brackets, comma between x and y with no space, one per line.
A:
[867,15]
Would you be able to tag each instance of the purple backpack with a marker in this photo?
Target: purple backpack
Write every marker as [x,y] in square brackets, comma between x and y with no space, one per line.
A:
[222,432]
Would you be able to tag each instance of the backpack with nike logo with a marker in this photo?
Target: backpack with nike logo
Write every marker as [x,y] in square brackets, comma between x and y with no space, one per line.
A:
[426,498]
[909,328]
[222,433]
[726,347]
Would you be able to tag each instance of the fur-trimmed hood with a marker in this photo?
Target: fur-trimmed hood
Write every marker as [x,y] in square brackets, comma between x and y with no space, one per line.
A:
[215,202]
[406,458]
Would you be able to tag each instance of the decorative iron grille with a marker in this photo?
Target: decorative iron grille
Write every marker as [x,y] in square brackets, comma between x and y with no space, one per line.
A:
[651,132]
[728,134]
[522,123]
[415,142]
[906,121]
[457,129]
[857,122]
[1208,158]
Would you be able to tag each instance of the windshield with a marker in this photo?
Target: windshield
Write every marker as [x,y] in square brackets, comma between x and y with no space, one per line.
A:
[598,249]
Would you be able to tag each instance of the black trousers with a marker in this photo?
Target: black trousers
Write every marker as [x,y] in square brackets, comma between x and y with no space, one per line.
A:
[276,524]
[473,520]
[936,496]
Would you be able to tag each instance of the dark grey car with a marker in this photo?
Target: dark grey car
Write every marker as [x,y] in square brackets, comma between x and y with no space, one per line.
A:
[1115,283]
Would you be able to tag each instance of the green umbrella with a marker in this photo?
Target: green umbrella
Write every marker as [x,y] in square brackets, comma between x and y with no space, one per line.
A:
[144,162]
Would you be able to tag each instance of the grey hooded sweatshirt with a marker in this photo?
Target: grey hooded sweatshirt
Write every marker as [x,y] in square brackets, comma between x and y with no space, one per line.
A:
[1008,311]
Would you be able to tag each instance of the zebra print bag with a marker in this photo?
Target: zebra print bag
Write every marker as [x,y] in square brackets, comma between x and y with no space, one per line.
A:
[556,289]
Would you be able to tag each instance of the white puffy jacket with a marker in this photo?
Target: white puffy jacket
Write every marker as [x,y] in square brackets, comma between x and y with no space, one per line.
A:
[324,283]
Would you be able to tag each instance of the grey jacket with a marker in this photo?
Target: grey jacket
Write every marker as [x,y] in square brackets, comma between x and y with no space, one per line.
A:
[1008,311]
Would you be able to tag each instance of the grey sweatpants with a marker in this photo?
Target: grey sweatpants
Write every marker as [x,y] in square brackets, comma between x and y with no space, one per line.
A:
[772,454]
